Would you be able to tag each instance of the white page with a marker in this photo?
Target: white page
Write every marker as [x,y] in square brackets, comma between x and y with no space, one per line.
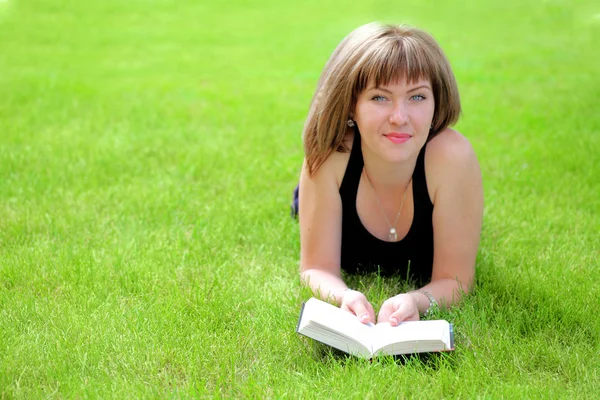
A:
[345,323]
[340,329]
[411,331]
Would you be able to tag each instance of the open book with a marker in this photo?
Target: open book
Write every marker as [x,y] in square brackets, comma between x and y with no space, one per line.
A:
[340,329]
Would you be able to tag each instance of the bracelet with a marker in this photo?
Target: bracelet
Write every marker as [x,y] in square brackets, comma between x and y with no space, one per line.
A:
[433,305]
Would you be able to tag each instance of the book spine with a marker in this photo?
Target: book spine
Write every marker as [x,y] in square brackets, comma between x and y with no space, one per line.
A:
[300,318]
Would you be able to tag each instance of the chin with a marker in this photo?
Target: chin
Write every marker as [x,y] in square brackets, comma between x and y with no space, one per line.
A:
[398,158]
[399,154]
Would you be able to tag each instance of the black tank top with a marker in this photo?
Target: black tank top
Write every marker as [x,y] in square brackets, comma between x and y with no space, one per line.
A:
[411,257]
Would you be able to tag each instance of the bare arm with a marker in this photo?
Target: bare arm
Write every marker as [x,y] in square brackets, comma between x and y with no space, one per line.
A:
[457,218]
[320,240]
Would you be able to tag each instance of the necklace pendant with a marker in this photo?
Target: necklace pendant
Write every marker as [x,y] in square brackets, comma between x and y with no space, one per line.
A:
[393,236]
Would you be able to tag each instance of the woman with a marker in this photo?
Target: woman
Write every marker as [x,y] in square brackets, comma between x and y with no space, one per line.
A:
[386,185]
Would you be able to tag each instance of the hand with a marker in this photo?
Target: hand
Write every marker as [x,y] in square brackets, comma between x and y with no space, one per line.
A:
[356,303]
[403,307]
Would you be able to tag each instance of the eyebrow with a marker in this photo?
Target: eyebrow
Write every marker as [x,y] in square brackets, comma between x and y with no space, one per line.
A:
[420,87]
[410,90]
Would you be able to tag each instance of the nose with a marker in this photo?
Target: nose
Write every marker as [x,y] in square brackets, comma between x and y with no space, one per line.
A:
[399,115]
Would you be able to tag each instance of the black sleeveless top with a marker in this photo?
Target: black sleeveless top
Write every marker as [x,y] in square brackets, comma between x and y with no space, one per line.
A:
[411,257]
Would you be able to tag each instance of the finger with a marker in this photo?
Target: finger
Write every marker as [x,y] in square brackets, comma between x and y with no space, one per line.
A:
[352,310]
[364,312]
[346,308]
[403,313]
[371,312]
[385,312]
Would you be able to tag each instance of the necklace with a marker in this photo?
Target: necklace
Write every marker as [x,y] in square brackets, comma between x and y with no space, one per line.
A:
[393,235]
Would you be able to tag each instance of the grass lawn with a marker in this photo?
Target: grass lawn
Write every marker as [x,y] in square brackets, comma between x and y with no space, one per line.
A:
[148,151]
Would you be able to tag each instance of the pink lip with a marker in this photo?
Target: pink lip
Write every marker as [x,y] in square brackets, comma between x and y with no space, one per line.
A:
[398,138]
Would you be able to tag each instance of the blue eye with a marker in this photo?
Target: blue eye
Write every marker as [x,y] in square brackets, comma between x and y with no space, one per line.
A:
[378,98]
[418,97]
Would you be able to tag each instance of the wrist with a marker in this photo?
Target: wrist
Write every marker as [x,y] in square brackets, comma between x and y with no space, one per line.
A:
[426,303]
[338,294]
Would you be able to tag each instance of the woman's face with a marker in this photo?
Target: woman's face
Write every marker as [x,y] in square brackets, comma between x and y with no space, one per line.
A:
[394,120]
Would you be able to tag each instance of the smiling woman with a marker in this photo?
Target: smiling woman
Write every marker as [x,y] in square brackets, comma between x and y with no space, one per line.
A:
[386,185]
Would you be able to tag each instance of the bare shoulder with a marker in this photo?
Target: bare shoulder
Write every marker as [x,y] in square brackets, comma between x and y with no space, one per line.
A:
[449,146]
[450,158]
[335,166]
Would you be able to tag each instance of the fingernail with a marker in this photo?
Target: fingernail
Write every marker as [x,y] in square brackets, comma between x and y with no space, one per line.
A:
[364,318]
[394,321]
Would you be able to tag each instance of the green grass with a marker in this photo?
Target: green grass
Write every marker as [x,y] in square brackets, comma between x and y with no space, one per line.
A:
[148,150]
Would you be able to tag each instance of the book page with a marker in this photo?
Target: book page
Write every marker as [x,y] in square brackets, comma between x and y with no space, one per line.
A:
[327,317]
[412,336]
[329,324]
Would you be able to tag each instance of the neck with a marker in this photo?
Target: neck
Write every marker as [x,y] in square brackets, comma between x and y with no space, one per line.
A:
[387,175]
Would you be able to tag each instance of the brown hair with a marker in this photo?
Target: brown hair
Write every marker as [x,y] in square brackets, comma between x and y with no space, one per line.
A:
[379,54]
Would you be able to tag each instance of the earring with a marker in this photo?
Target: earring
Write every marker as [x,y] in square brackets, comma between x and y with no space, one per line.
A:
[350,123]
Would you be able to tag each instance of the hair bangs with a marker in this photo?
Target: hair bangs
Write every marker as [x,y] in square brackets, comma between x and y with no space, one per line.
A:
[396,60]
[378,55]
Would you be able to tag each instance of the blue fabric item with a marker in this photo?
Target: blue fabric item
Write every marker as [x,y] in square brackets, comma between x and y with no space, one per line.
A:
[294,207]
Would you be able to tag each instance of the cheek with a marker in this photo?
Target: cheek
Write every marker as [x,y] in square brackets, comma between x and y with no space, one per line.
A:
[431,110]
[370,117]
[361,116]
[425,115]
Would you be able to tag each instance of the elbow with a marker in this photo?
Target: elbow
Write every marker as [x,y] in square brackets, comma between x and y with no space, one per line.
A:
[462,285]
[465,285]
[312,272]
[305,273]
